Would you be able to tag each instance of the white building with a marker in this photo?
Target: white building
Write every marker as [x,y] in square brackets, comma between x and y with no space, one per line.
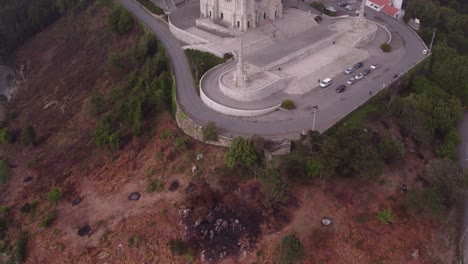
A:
[390,7]
[241,14]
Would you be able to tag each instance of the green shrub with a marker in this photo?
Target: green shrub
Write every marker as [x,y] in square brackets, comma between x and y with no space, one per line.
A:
[177,247]
[390,150]
[96,104]
[385,47]
[181,143]
[120,20]
[228,56]
[28,136]
[48,219]
[29,207]
[273,187]
[54,195]
[5,136]
[134,240]
[290,250]
[4,171]
[314,168]
[386,216]
[154,185]
[318,6]
[210,132]
[151,7]
[114,141]
[288,104]
[21,244]
[165,134]
[241,152]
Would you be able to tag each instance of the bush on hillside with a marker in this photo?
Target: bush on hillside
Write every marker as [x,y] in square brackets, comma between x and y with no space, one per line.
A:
[120,20]
[290,250]
[210,132]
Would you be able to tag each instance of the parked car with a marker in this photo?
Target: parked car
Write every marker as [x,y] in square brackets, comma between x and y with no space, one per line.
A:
[325,82]
[349,71]
[358,65]
[359,76]
[374,66]
[342,4]
[366,71]
[351,81]
[356,13]
[331,9]
[349,8]
[341,88]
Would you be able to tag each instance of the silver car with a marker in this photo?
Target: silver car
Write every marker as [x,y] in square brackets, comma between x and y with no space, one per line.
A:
[349,71]
[359,76]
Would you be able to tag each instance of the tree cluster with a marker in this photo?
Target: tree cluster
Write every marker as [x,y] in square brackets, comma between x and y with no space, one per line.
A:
[146,92]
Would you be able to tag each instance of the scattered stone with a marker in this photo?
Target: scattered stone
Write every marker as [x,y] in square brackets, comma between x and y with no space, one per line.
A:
[76,201]
[190,188]
[403,187]
[326,221]
[103,255]
[194,168]
[134,196]
[84,230]
[199,156]
[28,179]
[174,186]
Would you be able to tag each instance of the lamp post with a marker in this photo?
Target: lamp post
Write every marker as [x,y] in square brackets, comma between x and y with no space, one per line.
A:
[432,41]
[314,110]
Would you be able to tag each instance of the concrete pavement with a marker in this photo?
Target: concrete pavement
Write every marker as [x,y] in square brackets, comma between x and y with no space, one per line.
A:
[192,106]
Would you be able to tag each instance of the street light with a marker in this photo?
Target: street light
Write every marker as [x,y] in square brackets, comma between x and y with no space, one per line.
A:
[314,110]
[432,41]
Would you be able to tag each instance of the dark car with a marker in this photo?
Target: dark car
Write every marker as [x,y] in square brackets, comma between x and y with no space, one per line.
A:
[366,71]
[341,88]
[342,4]
[358,65]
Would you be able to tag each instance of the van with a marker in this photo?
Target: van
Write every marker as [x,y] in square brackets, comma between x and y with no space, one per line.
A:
[326,82]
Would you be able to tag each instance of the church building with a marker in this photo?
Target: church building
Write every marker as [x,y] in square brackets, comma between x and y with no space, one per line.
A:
[241,14]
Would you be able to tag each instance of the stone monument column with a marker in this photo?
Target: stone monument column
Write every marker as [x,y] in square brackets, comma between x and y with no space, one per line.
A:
[240,78]
[360,21]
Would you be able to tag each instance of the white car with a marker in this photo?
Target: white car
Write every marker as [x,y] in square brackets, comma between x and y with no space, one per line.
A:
[349,7]
[359,76]
[349,71]
[325,82]
[351,81]
[374,66]
[357,12]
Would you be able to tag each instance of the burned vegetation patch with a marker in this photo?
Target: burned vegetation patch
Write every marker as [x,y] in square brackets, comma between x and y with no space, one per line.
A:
[218,225]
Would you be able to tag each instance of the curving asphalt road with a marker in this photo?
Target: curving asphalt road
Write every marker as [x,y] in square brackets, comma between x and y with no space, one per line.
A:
[195,109]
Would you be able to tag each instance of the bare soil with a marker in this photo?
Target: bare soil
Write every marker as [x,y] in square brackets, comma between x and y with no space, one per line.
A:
[97,223]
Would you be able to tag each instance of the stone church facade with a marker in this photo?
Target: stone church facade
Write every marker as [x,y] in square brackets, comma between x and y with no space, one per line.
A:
[241,14]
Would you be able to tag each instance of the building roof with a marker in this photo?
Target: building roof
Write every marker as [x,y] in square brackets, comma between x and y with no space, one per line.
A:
[380,2]
[391,10]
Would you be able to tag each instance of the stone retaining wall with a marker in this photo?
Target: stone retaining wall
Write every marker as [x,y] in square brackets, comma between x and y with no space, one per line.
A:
[185,36]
